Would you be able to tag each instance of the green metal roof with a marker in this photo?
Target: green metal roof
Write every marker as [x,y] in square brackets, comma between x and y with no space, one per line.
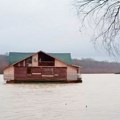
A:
[17,56]
[65,57]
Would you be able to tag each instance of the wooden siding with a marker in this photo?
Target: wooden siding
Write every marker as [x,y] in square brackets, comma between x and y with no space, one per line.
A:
[72,73]
[9,73]
[59,64]
[35,60]
[20,72]
[41,73]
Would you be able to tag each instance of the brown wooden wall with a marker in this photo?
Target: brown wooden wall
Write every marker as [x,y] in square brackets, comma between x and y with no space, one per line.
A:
[40,73]
[20,72]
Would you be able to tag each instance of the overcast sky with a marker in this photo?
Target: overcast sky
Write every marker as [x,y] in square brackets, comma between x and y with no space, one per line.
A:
[47,25]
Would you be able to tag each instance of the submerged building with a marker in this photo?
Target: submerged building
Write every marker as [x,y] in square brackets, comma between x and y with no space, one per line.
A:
[41,67]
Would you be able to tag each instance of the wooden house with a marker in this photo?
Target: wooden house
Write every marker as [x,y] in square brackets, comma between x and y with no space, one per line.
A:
[41,67]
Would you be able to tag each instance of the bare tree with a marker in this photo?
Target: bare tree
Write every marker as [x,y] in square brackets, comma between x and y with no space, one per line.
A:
[106,15]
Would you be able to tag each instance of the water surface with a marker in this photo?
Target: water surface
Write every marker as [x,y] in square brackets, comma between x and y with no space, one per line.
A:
[97,98]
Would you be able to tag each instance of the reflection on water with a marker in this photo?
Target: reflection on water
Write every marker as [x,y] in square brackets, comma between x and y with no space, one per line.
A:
[45,101]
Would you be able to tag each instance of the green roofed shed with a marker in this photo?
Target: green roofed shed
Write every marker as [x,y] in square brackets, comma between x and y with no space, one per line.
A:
[17,56]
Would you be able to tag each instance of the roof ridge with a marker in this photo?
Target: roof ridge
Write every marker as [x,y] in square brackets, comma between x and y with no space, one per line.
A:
[45,52]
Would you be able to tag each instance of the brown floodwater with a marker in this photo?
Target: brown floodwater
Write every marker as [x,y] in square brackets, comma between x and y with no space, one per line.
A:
[97,98]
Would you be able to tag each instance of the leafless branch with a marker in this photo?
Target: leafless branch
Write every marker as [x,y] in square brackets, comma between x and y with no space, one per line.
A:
[106,15]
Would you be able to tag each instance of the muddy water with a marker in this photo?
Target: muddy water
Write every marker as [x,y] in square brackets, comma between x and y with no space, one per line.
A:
[97,98]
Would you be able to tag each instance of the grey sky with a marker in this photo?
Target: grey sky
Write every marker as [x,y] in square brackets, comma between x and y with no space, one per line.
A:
[48,25]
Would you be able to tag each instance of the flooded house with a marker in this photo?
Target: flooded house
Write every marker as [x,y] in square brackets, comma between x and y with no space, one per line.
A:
[41,67]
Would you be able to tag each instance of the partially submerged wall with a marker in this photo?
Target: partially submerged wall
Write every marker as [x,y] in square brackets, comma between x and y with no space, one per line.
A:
[71,73]
[9,73]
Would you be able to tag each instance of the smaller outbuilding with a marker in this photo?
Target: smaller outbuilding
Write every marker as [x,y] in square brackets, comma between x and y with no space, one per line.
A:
[41,67]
